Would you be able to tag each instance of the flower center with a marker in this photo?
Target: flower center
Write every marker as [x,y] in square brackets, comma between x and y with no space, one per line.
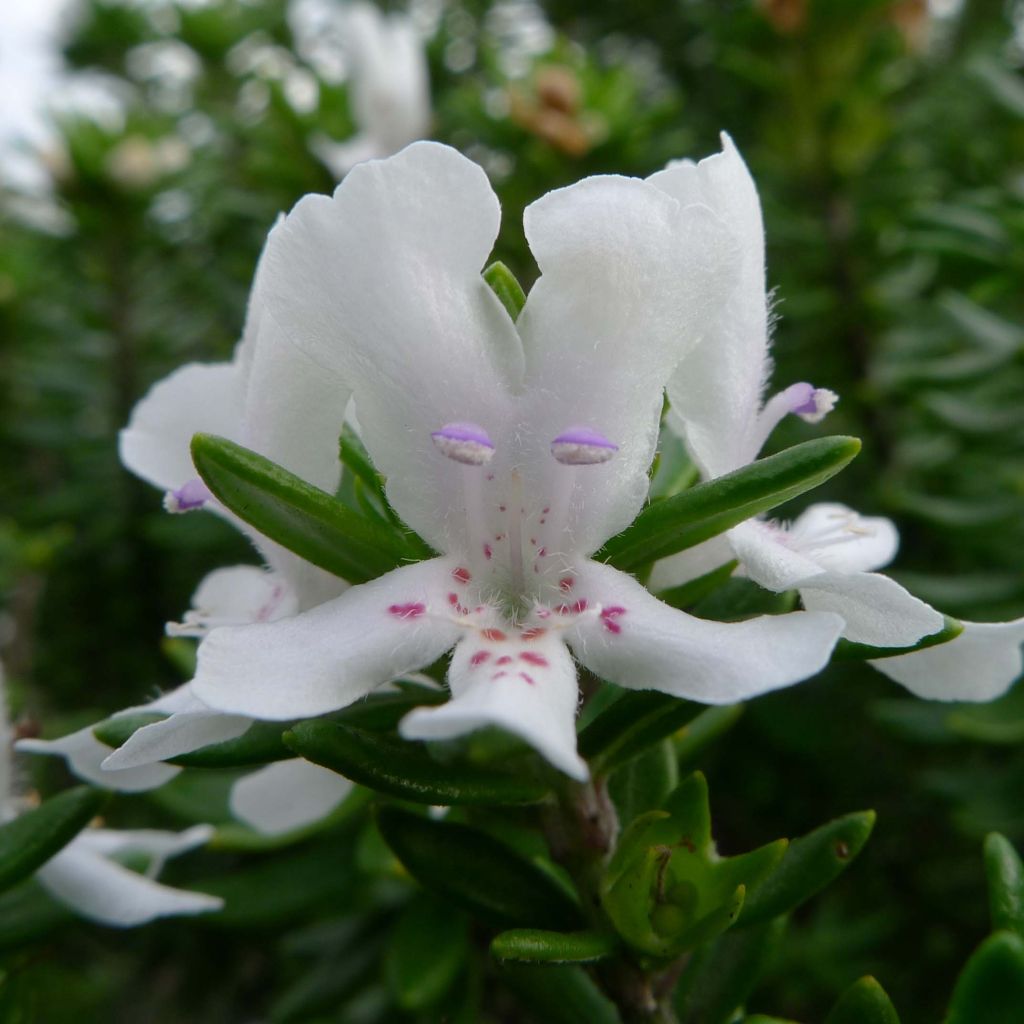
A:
[517,539]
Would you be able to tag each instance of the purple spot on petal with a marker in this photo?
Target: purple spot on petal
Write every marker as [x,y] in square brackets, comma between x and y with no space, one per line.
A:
[800,398]
[189,496]
[582,446]
[467,443]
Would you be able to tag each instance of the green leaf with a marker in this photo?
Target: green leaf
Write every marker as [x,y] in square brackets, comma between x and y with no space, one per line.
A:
[710,508]
[1005,884]
[426,953]
[286,887]
[722,976]
[688,594]
[666,888]
[559,995]
[534,945]
[633,723]
[504,284]
[810,863]
[297,515]
[406,769]
[704,730]
[30,840]
[116,731]
[642,784]
[864,1002]
[476,871]
[846,650]
[990,989]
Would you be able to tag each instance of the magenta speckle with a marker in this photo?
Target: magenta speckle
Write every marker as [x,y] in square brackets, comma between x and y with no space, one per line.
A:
[488,552]
[528,678]
[494,635]
[533,632]
[411,610]
[609,615]
[565,584]
[532,658]
[504,660]
[461,575]
[479,658]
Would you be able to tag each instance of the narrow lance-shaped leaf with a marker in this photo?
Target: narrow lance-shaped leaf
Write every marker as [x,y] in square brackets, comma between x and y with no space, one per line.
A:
[297,515]
[29,841]
[426,953]
[990,989]
[864,1002]
[720,977]
[405,769]
[1005,884]
[504,284]
[810,863]
[633,723]
[559,994]
[476,871]
[535,945]
[710,508]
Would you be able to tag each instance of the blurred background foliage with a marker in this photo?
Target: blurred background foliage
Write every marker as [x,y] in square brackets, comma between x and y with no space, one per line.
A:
[887,138]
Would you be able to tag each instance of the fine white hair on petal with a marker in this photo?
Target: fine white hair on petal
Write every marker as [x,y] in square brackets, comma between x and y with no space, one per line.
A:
[982,663]
[287,795]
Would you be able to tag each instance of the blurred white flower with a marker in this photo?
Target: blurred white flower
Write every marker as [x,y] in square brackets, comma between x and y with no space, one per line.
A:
[389,89]
[86,874]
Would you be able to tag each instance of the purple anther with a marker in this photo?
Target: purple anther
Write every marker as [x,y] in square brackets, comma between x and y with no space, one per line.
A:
[810,403]
[467,443]
[189,496]
[582,446]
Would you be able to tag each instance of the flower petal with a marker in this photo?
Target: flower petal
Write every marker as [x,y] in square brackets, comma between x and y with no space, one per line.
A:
[637,641]
[381,285]
[186,730]
[234,596]
[876,609]
[287,795]
[84,754]
[690,564]
[627,280]
[526,687]
[156,845]
[716,392]
[768,558]
[196,397]
[839,538]
[326,658]
[107,892]
[978,665]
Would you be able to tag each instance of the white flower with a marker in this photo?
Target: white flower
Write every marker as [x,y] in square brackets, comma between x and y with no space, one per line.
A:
[389,90]
[86,875]
[271,398]
[516,449]
[829,553]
